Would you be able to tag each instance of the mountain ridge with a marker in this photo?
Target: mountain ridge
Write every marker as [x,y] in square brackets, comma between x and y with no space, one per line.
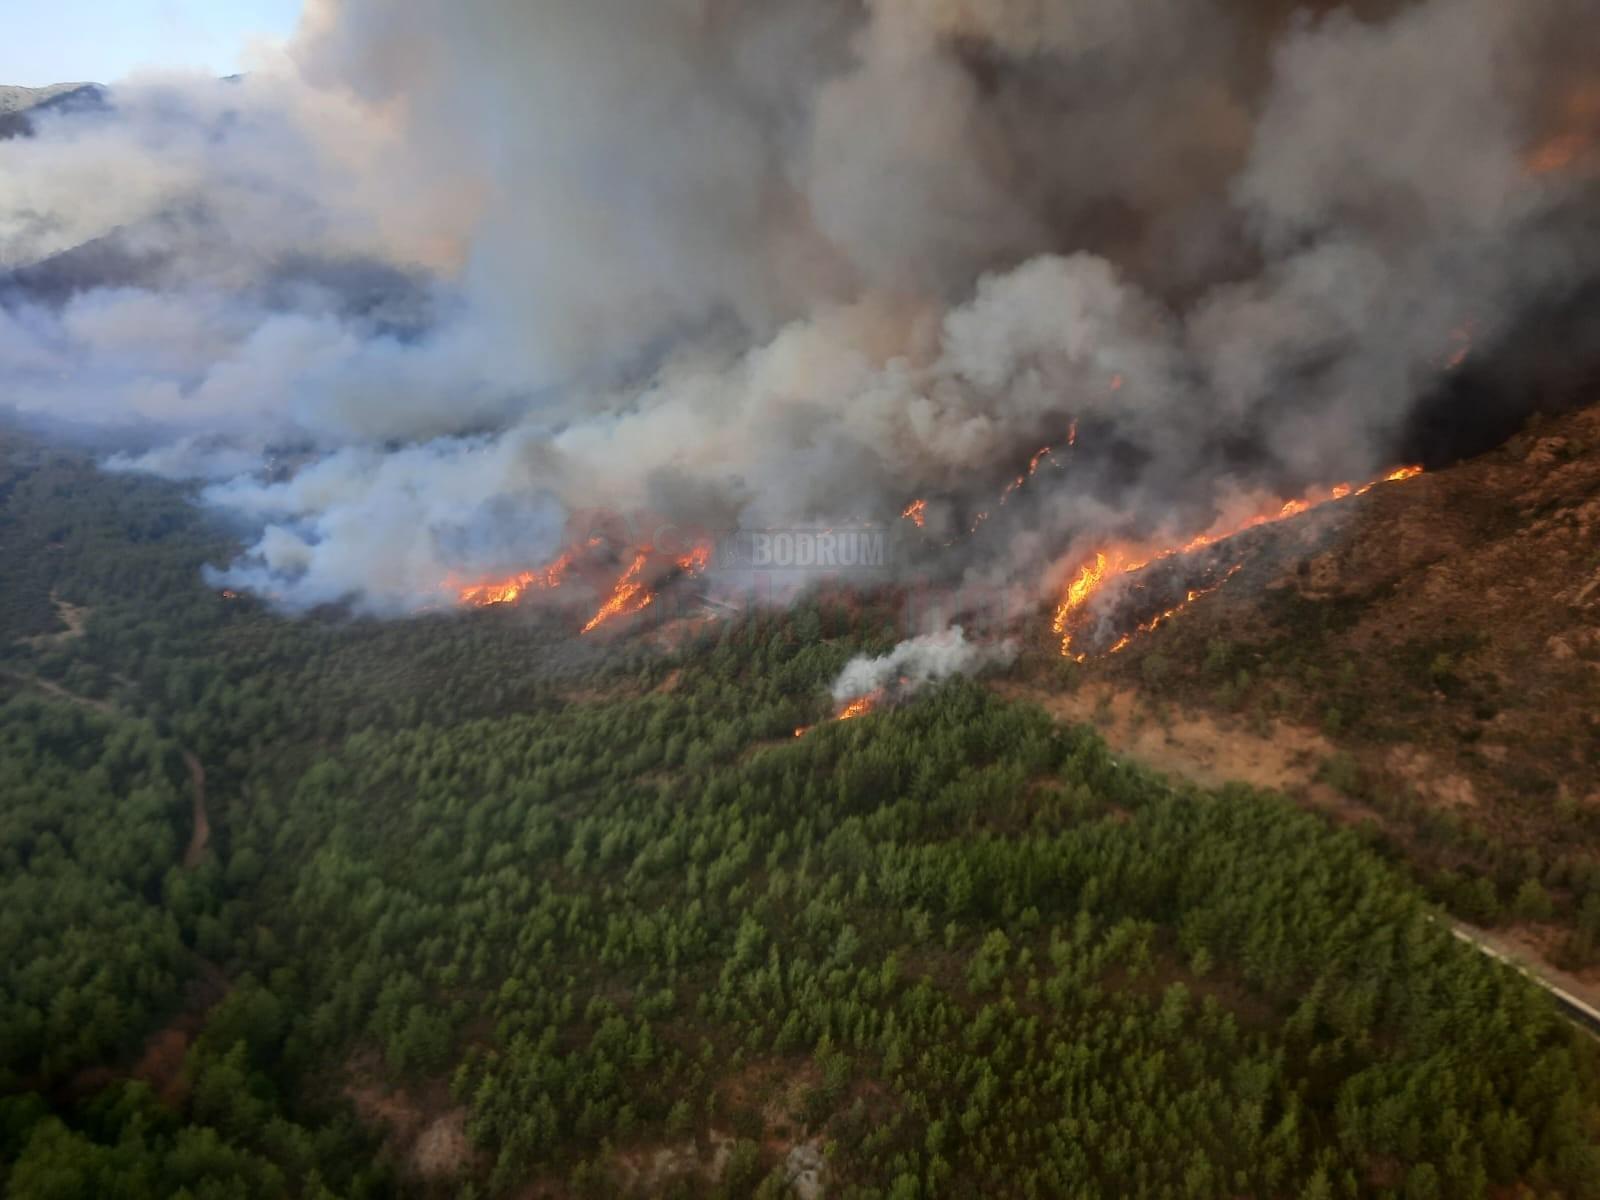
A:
[17,99]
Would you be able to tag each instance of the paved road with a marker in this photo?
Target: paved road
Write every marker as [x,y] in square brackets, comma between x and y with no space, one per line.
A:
[1578,1011]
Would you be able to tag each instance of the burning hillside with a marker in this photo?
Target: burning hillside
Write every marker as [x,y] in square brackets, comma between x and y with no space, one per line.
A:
[1026,276]
[587,568]
[1423,664]
[1118,570]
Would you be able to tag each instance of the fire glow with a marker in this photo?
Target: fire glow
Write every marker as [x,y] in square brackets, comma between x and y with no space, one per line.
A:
[849,710]
[859,707]
[509,591]
[1115,561]
[1575,140]
[628,596]
[631,593]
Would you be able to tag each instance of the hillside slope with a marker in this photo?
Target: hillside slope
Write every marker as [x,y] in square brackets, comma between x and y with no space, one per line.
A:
[20,105]
[1425,658]
[478,912]
[14,99]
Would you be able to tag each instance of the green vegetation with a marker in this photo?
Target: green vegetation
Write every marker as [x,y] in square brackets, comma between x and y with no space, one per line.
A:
[1517,835]
[605,908]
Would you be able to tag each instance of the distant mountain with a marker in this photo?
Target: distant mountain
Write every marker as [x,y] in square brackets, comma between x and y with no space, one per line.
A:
[20,99]
[19,104]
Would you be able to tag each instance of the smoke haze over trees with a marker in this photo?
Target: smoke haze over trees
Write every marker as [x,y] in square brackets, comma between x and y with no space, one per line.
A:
[406,295]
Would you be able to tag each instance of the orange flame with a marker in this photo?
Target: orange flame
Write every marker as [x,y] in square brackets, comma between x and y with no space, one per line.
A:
[1089,580]
[696,561]
[628,596]
[1160,619]
[1118,560]
[508,591]
[848,711]
[1580,117]
[1400,476]
[917,513]
[859,707]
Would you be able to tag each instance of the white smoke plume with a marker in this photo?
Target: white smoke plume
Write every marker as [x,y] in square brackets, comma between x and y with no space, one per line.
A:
[914,664]
[434,275]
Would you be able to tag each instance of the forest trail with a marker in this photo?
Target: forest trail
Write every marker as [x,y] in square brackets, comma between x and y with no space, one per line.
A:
[200,839]
[73,616]
[1211,753]
[105,708]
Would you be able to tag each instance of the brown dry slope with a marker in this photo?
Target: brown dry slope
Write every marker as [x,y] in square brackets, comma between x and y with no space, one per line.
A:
[1426,657]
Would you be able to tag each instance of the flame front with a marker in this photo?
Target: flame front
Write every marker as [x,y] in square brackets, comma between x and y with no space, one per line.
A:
[628,596]
[696,561]
[859,707]
[1088,582]
[848,711]
[1117,560]
[631,594]
[508,591]
[1399,476]
[1160,619]
[917,513]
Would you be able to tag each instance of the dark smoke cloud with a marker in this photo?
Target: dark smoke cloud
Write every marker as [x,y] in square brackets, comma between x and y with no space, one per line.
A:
[789,262]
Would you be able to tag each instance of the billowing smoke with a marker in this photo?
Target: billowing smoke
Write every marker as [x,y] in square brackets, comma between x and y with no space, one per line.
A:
[440,273]
[913,664]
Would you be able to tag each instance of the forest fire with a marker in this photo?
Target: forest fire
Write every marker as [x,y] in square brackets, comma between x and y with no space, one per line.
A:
[849,710]
[628,596]
[633,594]
[630,593]
[1033,469]
[1159,619]
[508,591]
[859,707]
[1114,561]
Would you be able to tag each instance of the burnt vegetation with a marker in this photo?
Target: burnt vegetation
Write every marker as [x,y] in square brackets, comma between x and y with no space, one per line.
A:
[596,923]
[1442,640]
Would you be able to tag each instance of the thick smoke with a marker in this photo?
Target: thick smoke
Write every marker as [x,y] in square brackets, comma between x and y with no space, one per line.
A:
[440,272]
[913,664]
